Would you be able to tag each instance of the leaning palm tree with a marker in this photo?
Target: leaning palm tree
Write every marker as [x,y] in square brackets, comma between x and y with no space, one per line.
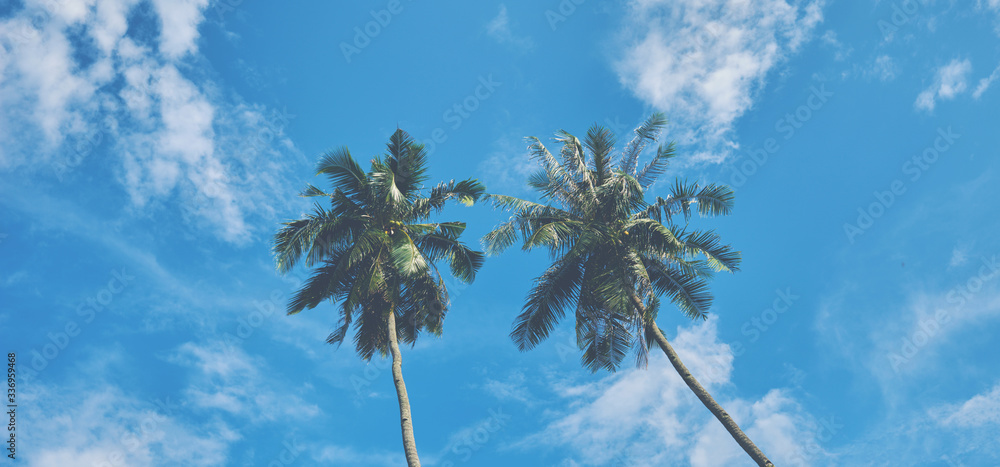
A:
[614,254]
[373,253]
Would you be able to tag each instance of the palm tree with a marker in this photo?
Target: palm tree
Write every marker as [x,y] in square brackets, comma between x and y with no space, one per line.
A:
[373,254]
[614,254]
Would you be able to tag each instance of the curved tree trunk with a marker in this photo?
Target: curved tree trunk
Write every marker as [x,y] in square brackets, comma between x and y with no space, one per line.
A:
[409,444]
[706,398]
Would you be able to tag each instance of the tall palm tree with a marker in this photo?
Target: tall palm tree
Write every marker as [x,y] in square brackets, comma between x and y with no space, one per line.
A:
[614,254]
[374,254]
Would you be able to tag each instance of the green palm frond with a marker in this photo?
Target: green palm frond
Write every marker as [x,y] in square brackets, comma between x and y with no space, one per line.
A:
[546,304]
[646,133]
[312,191]
[573,158]
[374,248]
[555,181]
[407,162]
[343,171]
[656,167]
[406,257]
[600,142]
[557,235]
[651,237]
[720,257]
[370,336]
[464,262]
[689,292]
[324,283]
[606,339]
[613,253]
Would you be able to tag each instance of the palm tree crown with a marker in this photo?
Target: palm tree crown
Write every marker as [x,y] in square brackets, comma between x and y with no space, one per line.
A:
[372,249]
[610,246]
[615,254]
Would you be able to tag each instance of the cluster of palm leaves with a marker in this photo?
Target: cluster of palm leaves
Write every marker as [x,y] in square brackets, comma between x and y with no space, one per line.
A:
[373,253]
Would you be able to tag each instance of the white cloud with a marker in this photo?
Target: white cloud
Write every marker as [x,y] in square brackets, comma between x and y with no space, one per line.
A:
[703,61]
[985,83]
[959,256]
[228,379]
[650,417]
[97,423]
[511,388]
[949,81]
[168,134]
[982,409]
[499,29]
[179,20]
[884,68]
[899,348]
[992,5]
[840,51]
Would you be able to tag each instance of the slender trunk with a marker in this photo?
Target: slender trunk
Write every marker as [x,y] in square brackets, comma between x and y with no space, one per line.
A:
[409,444]
[741,438]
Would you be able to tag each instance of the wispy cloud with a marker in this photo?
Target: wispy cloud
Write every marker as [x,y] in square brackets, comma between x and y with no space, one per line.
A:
[885,68]
[981,410]
[80,84]
[703,62]
[949,81]
[985,83]
[227,378]
[499,29]
[91,421]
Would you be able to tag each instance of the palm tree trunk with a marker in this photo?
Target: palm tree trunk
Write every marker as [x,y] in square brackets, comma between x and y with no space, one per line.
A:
[409,444]
[741,438]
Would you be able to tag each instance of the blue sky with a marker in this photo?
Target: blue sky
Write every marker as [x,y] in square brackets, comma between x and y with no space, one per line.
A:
[149,150]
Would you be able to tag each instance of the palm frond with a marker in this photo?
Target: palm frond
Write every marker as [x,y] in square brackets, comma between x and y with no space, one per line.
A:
[689,292]
[312,191]
[406,257]
[646,133]
[343,171]
[656,167]
[600,142]
[546,303]
[721,257]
